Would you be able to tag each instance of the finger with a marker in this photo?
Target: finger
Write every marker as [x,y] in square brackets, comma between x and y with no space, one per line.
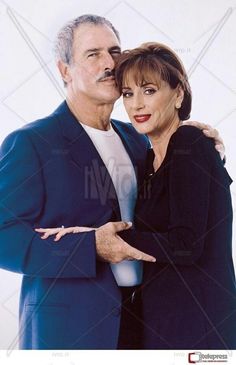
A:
[210,128]
[121,226]
[219,140]
[59,236]
[44,236]
[139,255]
[63,232]
[82,229]
[42,230]
[50,232]
[211,132]
[76,230]
[220,148]
[219,145]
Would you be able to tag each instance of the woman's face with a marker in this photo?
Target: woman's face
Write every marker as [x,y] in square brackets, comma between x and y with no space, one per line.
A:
[151,107]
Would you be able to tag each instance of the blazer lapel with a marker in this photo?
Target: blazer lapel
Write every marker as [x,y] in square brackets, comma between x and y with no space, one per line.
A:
[136,154]
[86,157]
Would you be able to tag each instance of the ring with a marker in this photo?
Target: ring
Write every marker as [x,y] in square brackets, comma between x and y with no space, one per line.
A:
[62,227]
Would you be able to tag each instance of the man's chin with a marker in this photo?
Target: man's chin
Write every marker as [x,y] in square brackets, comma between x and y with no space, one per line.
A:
[111,98]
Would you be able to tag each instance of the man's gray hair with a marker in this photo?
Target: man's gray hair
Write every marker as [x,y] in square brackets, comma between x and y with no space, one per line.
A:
[64,40]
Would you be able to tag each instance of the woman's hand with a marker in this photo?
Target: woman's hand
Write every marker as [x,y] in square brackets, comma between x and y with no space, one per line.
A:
[60,232]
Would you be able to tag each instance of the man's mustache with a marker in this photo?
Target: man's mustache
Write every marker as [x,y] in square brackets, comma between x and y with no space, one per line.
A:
[108,73]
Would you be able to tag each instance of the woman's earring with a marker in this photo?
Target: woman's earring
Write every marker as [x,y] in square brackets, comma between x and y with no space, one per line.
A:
[178,105]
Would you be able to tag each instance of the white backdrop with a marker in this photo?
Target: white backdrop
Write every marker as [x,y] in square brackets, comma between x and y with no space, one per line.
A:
[201,31]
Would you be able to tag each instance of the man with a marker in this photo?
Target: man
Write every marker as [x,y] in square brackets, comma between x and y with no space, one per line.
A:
[69,169]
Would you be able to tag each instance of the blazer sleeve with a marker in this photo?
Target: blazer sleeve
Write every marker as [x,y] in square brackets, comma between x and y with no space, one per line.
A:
[21,205]
[189,179]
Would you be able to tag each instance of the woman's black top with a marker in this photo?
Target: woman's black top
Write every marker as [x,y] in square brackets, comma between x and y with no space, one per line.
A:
[184,218]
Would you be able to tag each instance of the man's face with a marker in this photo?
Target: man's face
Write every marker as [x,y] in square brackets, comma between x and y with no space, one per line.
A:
[95,51]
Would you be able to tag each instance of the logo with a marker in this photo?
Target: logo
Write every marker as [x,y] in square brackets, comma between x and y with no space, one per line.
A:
[196,357]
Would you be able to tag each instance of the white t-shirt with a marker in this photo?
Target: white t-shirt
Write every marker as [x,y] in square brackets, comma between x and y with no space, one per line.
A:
[121,170]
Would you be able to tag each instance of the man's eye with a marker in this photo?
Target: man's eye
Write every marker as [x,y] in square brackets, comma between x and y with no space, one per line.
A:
[93,54]
[115,53]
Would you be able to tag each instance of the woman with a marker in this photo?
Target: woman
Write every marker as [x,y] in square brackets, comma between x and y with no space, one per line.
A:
[189,295]
[183,212]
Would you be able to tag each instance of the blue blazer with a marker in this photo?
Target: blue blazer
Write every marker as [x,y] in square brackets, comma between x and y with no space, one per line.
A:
[52,175]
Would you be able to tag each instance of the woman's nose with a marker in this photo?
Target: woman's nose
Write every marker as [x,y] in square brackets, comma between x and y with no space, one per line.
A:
[138,102]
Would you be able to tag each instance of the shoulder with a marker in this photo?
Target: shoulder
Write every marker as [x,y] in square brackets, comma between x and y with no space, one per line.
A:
[195,144]
[192,137]
[40,127]
[189,135]
[31,134]
[44,125]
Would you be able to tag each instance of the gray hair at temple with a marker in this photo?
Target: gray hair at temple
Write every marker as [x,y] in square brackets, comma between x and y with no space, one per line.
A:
[64,40]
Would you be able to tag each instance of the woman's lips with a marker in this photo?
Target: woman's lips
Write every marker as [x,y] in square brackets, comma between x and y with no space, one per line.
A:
[141,118]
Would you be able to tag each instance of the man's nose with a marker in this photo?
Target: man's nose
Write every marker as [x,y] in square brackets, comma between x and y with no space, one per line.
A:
[109,62]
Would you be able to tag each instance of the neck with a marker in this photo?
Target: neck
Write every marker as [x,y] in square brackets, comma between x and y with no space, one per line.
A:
[87,112]
[160,142]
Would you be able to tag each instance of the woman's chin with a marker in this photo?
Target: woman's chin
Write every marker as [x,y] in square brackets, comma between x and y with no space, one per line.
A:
[142,129]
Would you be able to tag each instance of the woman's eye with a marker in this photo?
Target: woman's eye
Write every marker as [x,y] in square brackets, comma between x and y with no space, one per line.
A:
[149,91]
[126,94]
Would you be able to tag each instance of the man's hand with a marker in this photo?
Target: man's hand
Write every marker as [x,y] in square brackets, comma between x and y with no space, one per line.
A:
[211,133]
[111,248]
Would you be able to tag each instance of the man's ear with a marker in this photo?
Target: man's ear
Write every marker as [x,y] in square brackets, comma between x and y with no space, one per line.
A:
[64,69]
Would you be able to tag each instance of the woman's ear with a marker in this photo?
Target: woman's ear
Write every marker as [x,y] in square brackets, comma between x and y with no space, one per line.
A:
[64,69]
[179,97]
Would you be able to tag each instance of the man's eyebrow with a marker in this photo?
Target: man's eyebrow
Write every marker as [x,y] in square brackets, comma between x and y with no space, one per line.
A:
[92,50]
